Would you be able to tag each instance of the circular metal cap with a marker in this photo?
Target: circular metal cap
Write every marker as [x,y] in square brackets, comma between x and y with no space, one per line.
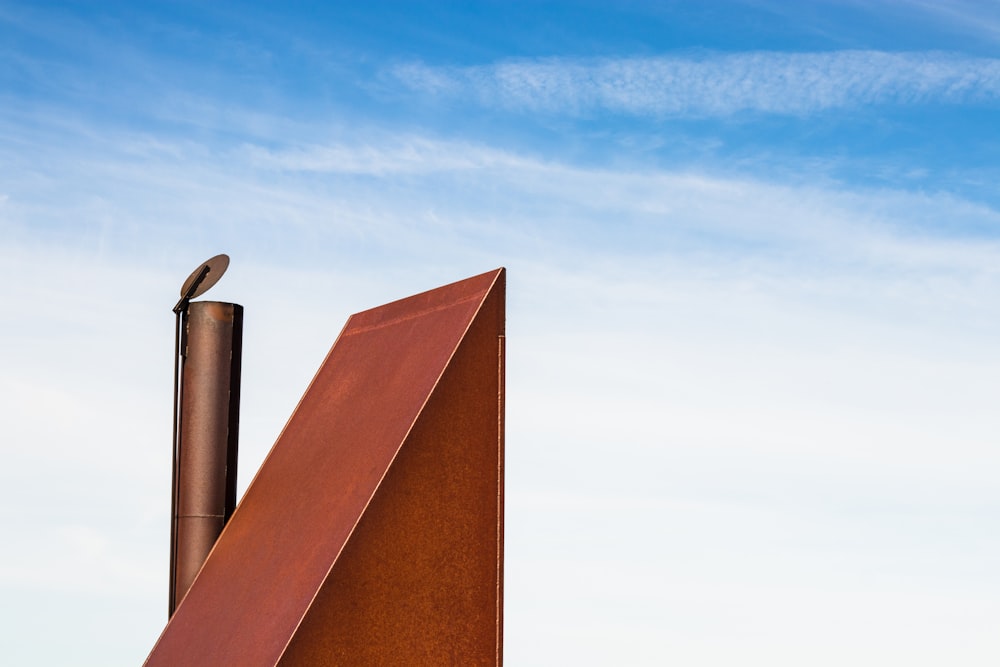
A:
[216,266]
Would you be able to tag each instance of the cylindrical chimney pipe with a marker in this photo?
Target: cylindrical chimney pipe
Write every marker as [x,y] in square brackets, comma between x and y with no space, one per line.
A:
[205,476]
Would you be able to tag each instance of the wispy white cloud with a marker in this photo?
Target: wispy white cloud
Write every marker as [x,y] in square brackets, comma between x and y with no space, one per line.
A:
[572,210]
[449,198]
[713,84]
[392,155]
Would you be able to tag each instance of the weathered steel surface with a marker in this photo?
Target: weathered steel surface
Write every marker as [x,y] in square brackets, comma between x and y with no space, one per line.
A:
[205,493]
[373,532]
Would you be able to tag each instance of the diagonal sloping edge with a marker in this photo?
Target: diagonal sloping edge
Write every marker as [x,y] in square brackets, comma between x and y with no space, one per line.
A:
[317,481]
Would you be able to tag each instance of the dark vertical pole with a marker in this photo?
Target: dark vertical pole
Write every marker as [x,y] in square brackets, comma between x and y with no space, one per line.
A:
[179,346]
[208,431]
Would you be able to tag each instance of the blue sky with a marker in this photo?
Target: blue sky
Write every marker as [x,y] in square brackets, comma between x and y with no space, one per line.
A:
[752,315]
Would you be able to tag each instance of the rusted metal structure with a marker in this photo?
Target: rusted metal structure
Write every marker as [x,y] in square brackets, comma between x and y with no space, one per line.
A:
[373,532]
[208,357]
[209,432]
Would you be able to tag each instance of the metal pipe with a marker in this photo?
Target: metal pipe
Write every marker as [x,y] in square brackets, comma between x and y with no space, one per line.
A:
[208,427]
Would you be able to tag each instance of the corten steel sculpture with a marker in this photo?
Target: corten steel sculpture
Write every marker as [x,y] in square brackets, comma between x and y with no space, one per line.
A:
[373,532]
[207,356]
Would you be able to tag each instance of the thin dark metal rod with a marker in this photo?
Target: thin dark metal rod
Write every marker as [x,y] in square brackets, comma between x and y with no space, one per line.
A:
[171,602]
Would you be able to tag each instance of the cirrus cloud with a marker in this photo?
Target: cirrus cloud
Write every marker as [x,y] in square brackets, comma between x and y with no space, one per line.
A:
[713,84]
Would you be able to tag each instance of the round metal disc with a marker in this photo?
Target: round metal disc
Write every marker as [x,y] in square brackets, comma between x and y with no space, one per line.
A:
[216,267]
